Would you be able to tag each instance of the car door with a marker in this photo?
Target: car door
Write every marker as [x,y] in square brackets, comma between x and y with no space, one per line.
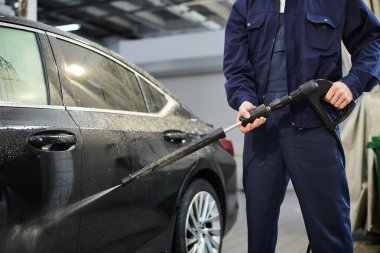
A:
[40,148]
[119,137]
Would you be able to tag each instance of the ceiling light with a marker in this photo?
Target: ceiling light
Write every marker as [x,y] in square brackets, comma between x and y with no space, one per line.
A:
[190,15]
[178,9]
[96,11]
[69,27]
[125,6]
[194,16]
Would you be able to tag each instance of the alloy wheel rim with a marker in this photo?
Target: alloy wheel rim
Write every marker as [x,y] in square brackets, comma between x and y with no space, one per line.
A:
[203,224]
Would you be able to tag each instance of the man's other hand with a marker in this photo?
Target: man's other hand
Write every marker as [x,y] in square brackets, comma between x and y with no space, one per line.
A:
[243,111]
[339,95]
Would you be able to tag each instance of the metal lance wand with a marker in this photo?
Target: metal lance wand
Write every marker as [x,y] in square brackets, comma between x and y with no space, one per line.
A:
[261,111]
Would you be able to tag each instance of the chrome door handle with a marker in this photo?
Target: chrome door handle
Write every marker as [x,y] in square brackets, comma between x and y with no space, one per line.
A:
[175,136]
[53,140]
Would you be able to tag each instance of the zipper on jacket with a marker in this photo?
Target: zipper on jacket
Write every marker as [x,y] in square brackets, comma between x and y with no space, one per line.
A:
[271,54]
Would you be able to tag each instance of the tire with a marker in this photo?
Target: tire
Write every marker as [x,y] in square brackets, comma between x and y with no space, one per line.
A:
[199,231]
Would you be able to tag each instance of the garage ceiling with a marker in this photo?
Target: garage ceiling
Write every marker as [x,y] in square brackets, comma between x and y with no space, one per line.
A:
[135,19]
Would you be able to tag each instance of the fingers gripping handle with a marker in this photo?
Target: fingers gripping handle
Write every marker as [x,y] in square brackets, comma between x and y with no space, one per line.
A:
[257,112]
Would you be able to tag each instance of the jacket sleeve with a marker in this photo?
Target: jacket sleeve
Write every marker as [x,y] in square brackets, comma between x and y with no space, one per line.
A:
[361,36]
[237,66]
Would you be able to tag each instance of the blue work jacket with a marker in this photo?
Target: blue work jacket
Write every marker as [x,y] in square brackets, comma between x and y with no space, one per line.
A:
[314,30]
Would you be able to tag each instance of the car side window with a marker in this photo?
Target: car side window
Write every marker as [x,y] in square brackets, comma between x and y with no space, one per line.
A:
[154,99]
[22,78]
[99,82]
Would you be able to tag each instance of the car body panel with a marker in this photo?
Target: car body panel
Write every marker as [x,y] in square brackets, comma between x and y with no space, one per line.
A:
[38,181]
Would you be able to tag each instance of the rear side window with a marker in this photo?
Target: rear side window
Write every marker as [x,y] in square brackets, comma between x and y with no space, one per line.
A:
[22,79]
[99,82]
[154,99]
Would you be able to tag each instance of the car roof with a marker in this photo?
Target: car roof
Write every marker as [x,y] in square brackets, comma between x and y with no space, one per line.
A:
[47,28]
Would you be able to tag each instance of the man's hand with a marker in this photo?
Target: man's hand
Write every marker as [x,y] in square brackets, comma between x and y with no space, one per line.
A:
[243,111]
[339,95]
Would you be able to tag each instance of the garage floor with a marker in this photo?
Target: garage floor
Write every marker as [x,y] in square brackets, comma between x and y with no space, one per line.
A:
[292,235]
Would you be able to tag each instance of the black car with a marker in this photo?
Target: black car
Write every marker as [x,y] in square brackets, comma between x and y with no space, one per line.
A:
[75,118]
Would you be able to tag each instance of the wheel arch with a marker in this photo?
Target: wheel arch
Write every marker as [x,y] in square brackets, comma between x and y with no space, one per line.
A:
[214,179]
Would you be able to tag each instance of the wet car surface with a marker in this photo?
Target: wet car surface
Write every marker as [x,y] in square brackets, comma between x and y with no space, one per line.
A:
[75,119]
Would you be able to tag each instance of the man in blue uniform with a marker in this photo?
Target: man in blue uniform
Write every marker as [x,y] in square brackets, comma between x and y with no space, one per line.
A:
[271,47]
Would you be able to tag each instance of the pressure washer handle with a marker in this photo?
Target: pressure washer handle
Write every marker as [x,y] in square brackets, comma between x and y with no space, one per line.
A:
[345,112]
[257,112]
[326,119]
[317,103]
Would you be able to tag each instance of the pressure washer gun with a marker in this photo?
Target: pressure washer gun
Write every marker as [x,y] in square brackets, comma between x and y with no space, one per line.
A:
[315,101]
[313,90]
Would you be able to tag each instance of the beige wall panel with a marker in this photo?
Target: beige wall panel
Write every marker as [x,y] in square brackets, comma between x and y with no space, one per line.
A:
[376,7]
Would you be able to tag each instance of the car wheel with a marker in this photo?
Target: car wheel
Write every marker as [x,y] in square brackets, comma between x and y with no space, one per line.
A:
[199,226]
